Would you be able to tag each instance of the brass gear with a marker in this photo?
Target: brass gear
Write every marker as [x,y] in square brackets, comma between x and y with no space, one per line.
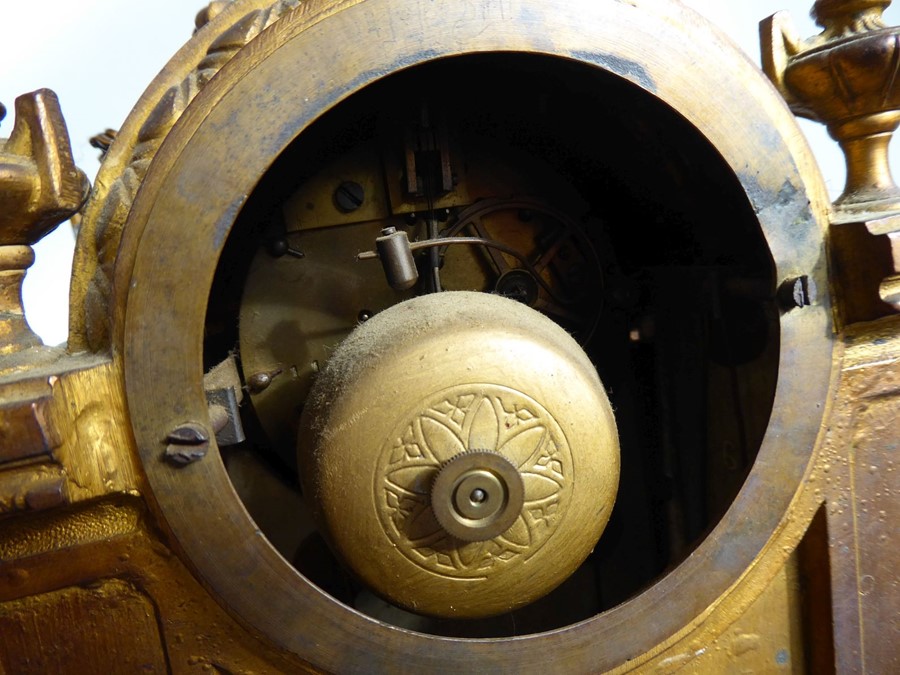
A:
[477,495]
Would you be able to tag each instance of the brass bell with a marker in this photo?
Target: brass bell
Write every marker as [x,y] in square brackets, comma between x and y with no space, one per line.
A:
[460,454]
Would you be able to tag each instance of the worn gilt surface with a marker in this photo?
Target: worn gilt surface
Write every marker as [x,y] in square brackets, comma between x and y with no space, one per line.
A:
[221,33]
[113,560]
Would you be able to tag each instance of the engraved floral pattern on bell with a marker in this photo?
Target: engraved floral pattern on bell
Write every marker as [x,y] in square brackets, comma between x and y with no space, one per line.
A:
[458,420]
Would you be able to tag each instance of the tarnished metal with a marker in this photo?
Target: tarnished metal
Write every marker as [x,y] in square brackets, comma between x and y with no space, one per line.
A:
[39,188]
[224,393]
[798,292]
[477,495]
[424,393]
[784,456]
[396,257]
[846,78]
[633,156]
[187,443]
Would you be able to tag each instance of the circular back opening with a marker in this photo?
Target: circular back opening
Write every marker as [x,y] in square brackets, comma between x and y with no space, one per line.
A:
[620,221]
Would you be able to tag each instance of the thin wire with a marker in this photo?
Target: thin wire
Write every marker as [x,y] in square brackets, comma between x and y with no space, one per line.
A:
[473,241]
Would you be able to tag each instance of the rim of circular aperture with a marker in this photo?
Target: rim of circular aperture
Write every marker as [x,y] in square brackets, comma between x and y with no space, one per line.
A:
[191,197]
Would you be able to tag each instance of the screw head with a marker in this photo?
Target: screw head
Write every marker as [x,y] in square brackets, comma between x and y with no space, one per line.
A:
[187,443]
[182,455]
[796,292]
[349,196]
[189,433]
